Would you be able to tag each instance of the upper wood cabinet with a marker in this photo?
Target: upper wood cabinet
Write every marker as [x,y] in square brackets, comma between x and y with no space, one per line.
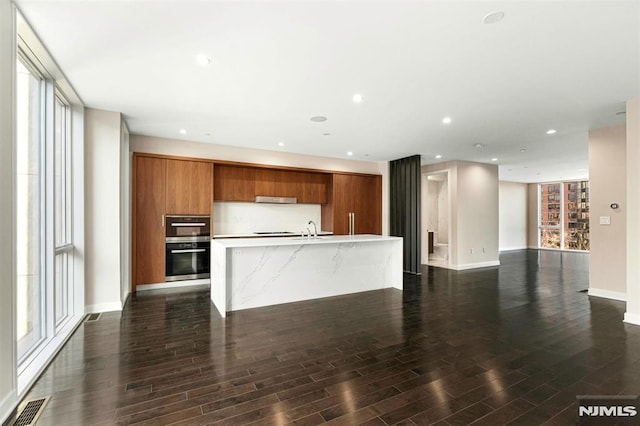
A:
[233,183]
[189,187]
[240,183]
[357,195]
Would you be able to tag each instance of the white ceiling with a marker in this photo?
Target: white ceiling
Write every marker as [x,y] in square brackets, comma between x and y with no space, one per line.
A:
[566,65]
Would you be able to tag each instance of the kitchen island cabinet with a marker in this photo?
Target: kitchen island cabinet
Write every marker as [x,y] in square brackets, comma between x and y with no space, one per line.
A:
[254,272]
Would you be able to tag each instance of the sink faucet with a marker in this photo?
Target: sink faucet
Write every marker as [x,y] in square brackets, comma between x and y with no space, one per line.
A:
[315,230]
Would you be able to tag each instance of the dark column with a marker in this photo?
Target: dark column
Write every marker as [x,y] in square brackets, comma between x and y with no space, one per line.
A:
[404,200]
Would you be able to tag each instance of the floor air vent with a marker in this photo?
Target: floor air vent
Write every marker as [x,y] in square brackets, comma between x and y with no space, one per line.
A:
[92,317]
[30,412]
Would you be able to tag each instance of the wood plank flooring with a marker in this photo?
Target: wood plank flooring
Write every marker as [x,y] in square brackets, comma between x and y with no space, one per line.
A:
[510,344]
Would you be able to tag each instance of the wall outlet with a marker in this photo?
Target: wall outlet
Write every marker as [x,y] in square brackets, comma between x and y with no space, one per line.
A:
[483,249]
[471,251]
[605,220]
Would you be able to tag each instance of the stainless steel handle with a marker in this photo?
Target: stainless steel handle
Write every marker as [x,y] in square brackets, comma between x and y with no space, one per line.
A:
[163,221]
[188,251]
[189,224]
[350,224]
[353,223]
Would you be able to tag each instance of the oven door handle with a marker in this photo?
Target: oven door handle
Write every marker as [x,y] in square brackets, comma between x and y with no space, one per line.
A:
[190,224]
[189,251]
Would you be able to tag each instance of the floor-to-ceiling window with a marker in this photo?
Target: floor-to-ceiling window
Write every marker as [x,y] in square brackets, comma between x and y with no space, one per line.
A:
[564,215]
[48,274]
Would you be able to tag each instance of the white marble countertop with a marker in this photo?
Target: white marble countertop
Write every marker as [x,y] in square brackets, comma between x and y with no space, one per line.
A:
[254,235]
[290,241]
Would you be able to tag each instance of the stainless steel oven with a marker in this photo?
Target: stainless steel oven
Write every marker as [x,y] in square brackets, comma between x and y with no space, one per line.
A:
[188,260]
[187,226]
[188,247]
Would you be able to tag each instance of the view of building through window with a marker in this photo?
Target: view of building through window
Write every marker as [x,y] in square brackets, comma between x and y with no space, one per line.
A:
[564,215]
[30,294]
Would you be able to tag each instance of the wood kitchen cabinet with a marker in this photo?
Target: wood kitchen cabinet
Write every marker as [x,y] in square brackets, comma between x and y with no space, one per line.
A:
[240,183]
[234,183]
[358,195]
[189,187]
[149,193]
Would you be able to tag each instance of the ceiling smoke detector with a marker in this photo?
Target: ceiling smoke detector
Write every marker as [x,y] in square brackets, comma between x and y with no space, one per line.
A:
[318,118]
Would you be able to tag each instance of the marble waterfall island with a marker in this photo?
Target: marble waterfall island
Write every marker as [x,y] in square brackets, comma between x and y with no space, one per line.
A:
[253,272]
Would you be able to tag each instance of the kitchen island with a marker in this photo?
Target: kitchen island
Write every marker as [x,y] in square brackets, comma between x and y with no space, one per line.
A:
[253,272]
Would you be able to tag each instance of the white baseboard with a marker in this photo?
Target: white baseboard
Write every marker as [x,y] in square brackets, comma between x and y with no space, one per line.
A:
[103,307]
[608,294]
[632,318]
[172,284]
[7,405]
[474,265]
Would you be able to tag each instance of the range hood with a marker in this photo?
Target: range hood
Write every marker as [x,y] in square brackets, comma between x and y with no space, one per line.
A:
[276,200]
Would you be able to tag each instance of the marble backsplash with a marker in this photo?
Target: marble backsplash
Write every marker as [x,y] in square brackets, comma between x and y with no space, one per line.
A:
[245,218]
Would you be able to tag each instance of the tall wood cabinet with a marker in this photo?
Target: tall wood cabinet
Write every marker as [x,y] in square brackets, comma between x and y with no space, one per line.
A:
[357,195]
[150,191]
[164,186]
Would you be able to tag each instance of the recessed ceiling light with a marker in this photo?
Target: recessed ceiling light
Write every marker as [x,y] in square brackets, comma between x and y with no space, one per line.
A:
[446,120]
[478,145]
[349,153]
[326,134]
[621,112]
[280,143]
[494,159]
[318,118]
[183,131]
[493,17]
[203,60]
[523,149]
[438,156]
[551,131]
[357,98]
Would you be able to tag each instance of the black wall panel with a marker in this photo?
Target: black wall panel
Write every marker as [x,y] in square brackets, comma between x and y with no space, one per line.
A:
[404,200]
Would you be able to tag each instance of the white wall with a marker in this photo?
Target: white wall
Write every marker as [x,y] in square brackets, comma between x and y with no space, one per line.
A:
[633,212]
[512,214]
[607,184]
[8,394]
[102,211]
[183,148]
[532,215]
[473,214]
[477,214]
[245,218]
[125,214]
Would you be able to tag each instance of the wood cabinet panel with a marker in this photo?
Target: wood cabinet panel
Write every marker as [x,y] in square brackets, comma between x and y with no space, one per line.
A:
[361,195]
[188,187]
[288,184]
[367,204]
[314,190]
[234,183]
[149,235]
[265,182]
[201,192]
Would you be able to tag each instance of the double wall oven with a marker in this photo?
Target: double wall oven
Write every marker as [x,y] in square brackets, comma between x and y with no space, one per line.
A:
[188,242]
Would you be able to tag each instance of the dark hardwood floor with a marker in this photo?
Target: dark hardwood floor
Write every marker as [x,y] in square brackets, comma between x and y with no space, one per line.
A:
[509,344]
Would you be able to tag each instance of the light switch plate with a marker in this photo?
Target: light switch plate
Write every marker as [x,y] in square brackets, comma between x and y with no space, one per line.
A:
[605,220]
